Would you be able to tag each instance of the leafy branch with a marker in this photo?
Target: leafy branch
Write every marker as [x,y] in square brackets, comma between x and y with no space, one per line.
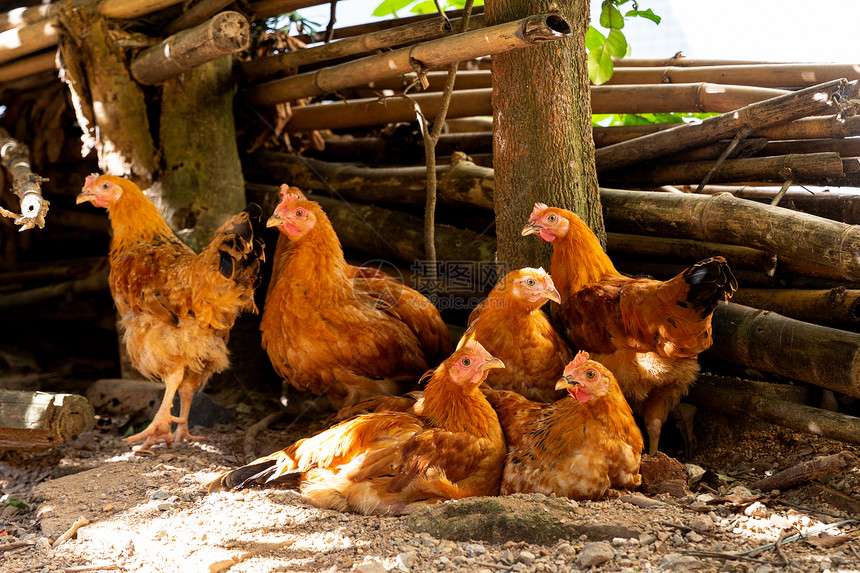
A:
[602,48]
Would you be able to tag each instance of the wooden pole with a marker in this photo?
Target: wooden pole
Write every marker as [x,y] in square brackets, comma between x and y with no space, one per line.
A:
[383,39]
[837,306]
[742,398]
[263,9]
[26,184]
[761,75]
[28,67]
[843,206]
[767,341]
[225,33]
[810,101]
[40,420]
[724,218]
[679,60]
[519,34]
[195,15]
[801,168]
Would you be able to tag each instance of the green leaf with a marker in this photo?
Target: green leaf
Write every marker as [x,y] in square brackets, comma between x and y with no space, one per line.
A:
[426,7]
[389,7]
[17,503]
[616,44]
[647,14]
[610,16]
[600,67]
[593,38]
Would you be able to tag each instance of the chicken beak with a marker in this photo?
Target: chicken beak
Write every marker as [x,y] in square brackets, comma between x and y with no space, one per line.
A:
[553,295]
[492,363]
[274,221]
[531,229]
[84,197]
[565,382]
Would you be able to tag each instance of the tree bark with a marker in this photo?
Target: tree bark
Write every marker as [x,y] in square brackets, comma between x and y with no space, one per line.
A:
[767,341]
[542,149]
[816,467]
[835,307]
[203,183]
[40,420]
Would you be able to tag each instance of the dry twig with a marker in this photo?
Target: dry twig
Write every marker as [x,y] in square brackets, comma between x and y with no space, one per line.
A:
[79,522]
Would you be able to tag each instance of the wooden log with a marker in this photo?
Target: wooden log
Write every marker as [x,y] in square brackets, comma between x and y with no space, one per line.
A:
[835,307]
[40,420]
[19,42]
[727,219]
[519,34]
[767,341]
[818,99]
[461,184]
[761,75]
[263,9]
[680,60]
[800,168]
[384,233]
[25,67]
[844,147]
[420,31]
[65,290]
[26,185]
[836,205]
[225,33]
[396,150]
[744,148]
[812,469]
[622,244]
[195,15]
[736,397]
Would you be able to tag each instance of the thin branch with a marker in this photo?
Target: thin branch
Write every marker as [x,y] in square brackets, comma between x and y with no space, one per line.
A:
[740,135]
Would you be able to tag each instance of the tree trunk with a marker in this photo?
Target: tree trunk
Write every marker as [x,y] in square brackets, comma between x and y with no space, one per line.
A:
[543,150]
[203,183]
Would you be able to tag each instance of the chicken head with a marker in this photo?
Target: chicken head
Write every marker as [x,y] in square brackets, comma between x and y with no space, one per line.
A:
[584,379]
[546,222]
[294,215]
[100,190]
[535,285]
[469,365]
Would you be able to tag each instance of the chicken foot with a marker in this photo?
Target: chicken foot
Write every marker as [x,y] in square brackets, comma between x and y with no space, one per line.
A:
[186,390]
[159,428]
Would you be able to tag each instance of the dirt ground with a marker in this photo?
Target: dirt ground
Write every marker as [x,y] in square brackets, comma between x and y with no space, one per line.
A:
[149,513]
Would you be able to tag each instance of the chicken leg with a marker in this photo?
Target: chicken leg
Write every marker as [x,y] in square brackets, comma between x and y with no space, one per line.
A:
[186,390]
[159,427]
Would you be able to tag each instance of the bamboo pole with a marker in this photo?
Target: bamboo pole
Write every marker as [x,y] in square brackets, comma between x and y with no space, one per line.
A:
[26,185]
[727,219]
[263,9]
[420,31]
[679,60]
[845,147]
[25,67]
[225,33]
[761,75]
[40,420]
[810,101]
[801,168]
[622,244]
[397,150]
[767,341]
[737,397]
[384,233]
[196,15]
[843,206]
[519,34]
[41,34]
[832,306]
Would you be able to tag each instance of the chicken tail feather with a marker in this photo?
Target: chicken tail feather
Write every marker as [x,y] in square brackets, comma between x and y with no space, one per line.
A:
[709,281]
[259,473]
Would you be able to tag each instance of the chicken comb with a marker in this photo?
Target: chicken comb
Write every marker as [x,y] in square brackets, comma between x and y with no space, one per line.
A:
[578,360]
[539,208]
[290,194]
[91,178]
[472,344]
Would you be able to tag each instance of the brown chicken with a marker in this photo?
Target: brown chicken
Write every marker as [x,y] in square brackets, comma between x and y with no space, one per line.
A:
[392,462]
[176,307]
[576,447]
[649,333]
[329,327]
[511,325]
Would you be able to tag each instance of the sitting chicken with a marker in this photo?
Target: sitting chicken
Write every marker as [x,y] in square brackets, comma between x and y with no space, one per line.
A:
[576,447]
[392,462]
[329,327]
[176,308]
[649,333]
[511,325]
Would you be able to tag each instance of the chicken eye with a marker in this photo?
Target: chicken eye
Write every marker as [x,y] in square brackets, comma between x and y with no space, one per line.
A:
[551,218]
[466,362]
[590,374]
[300,213]
[105,186]
[531,282]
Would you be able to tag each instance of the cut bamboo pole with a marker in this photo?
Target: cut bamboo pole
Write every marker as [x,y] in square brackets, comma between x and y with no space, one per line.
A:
[41,34]
[27,185]
[832,306]
[818,99]
[845,147]
[263,9]
[737,397]
[680,60]
[25,67]
[767,75]
[40,420]
[393,151]
[767,341]
[197,14]
[622,244]
[20,17]
[843,206]
[519,34]
[384,233]
[410,33]
[461,184]
[727,219]
[801,168]
[225,33]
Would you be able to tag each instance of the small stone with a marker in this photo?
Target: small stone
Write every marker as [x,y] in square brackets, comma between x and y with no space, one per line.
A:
[595,553]
[43,545]
[764,569]
[164,506]
[406,561]
[647,538]
[677,539]
[473,549]
[740,491]
[526,557]
[370,567]
[694,537]
[159,494]
[663,535]
[756,509]
[507,556]
[702,523]
[675,562]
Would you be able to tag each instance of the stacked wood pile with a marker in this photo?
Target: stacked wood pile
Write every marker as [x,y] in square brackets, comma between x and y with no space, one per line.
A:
[333,119]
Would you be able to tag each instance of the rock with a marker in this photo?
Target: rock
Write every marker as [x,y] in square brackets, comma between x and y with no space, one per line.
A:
[647,538]
[694,473]
[702,523]
[595,553]
[526,557]
[740,491]
[659,468]
[675,562]
[756,509]
[694,537]
[370,567]
[473,549]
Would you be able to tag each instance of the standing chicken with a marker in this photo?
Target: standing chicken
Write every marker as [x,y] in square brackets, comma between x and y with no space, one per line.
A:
[511,325]
[391,462]
[648,333]
[576,447]
[329,327]
[176,307]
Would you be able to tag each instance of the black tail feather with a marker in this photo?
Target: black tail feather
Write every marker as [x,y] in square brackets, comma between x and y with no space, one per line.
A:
[260,473]
[710,280]
[241,249]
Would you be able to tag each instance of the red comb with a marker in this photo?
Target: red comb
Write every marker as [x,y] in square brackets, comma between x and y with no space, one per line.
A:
[578,360]
[290,194]
[539,208]
[91,179]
